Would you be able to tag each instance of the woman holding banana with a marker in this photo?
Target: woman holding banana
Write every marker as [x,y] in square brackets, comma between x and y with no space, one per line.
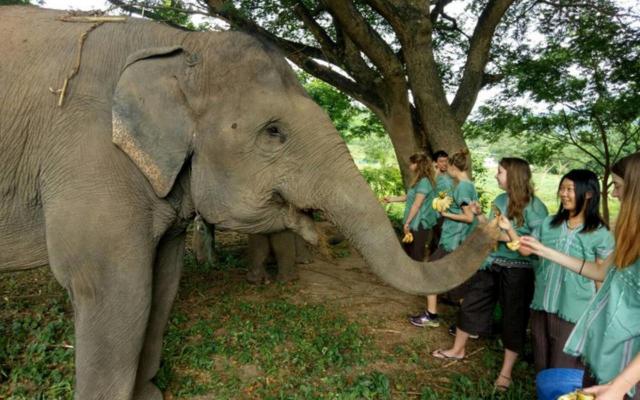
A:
[459,221]
[506,276]
[607,334]
[561,296]
[419,217]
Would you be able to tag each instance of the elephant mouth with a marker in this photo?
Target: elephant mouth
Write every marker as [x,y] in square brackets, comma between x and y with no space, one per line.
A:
[296,219]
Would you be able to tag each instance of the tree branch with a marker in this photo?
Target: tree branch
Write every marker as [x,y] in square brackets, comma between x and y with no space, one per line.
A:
[305,56]
[226,11]
[365,37]
[567,125]
[477,58]
[135,8]
[341,82]
[438,10]
[326,43]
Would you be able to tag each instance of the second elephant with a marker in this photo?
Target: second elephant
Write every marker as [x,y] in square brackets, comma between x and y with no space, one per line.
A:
[287,249]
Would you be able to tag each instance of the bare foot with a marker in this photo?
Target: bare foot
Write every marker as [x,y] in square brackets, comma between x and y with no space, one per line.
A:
[502,383]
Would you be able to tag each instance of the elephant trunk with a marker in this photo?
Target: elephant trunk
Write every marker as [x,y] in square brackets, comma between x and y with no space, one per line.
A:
[348,202]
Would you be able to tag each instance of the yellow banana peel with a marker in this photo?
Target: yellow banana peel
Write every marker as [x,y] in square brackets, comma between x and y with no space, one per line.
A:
[442,202]
[514,245]
[577,395]
[408,238]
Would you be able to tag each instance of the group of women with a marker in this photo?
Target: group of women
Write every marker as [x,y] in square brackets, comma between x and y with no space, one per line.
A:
[579,283]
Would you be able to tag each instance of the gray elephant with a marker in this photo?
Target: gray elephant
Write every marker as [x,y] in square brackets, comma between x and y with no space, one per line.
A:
[287,250]
[145,126]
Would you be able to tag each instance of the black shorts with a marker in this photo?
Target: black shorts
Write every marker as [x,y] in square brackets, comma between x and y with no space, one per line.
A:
[513,288]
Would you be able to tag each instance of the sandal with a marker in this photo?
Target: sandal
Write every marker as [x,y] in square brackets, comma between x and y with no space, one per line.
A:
[440,354]
[504,386]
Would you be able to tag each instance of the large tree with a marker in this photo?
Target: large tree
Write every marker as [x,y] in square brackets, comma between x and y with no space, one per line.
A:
[400,58]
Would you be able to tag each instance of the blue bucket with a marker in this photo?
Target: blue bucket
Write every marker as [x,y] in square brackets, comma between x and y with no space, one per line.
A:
[554,382]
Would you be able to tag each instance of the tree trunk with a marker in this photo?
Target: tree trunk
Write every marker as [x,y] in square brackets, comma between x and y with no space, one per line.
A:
[398,124]
[605,196]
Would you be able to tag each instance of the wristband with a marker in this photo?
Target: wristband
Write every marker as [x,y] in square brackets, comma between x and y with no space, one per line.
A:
[581,267]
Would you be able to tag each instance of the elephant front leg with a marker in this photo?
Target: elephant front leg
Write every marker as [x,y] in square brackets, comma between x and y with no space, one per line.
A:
[111,301]
[284,248]
[166,279]
[258,251]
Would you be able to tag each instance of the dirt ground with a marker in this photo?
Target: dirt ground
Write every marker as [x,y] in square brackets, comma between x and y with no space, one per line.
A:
[347,284]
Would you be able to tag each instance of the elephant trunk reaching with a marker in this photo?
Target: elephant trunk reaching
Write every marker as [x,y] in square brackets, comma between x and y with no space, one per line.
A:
[350,204]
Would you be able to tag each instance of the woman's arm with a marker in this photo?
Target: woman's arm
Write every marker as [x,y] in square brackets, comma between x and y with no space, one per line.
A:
[592,270]
[394,199]
[621,384]
[466,216]
[417,203]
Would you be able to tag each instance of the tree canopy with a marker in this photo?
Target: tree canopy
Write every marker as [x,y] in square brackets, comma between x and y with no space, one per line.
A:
[574,92]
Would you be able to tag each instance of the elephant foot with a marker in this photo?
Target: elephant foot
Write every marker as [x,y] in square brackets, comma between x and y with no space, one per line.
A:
[257,277]
[304,260]
[283,278]
[148,391]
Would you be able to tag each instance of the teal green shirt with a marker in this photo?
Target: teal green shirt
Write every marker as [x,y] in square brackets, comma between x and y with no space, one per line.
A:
[559,290]
[426,216]
[455,232]
[533,214]
[444,183]
[607,335]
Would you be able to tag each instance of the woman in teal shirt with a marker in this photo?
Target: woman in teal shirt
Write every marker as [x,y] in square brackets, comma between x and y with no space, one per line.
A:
[419,216]
[607,335]
[506,277]
[459,221]
[561,296]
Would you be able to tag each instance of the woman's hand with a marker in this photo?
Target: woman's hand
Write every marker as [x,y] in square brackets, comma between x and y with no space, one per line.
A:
[531,245]
[406,229]
[605,392]
[476,208]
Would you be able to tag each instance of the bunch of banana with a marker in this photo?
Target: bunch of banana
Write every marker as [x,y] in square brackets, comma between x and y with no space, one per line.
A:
[442,202]
[408,238]
[577,395]
[513,245]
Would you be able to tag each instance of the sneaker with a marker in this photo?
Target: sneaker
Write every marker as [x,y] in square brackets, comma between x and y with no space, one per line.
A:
[424,320]
[452,332]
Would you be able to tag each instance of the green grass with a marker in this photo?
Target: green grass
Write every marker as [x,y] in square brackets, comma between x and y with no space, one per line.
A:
[227,339]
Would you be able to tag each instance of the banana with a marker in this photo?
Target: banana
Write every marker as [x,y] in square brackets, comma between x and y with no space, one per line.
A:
[442,202]
[577,395]
[408,238]
[514,245]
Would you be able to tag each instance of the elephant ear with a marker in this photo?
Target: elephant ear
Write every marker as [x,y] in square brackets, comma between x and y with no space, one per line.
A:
[151,120]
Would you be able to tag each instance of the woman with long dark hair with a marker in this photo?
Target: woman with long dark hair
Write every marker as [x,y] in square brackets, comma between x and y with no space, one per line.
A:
[607,335]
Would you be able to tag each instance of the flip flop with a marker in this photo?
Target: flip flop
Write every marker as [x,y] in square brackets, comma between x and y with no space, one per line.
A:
[440,354]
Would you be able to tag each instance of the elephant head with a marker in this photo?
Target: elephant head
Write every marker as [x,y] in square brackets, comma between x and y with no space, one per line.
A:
[230,109]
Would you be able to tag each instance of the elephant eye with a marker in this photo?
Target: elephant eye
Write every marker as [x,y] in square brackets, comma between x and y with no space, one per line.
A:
[275,132]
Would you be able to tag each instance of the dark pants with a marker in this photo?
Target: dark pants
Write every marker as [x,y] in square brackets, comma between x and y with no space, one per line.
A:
[588,380]
[436,232]
[513,288]
[550,333]
[416,249]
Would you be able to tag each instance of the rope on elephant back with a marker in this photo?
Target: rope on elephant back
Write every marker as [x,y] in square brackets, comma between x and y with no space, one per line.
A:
[97,21]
